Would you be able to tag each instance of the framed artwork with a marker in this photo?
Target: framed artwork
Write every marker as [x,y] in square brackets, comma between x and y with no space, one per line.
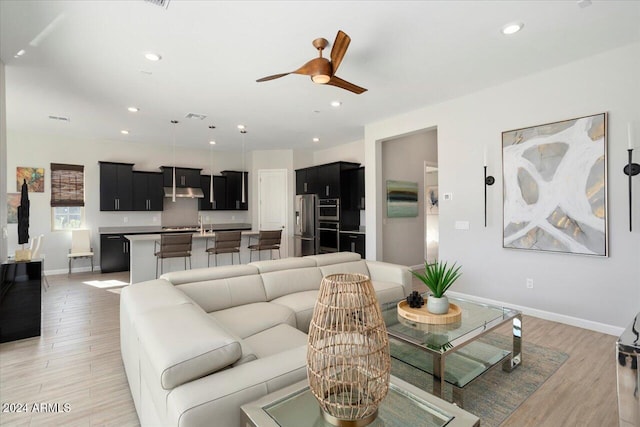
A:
[555,187]
[13,201]
[432,200]
[34,177]
[402,199]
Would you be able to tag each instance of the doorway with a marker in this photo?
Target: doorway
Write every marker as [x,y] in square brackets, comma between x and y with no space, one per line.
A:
[431,212]
[272,204]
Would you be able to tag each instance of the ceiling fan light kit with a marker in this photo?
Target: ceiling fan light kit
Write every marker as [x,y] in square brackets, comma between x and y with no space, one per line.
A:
[322,70]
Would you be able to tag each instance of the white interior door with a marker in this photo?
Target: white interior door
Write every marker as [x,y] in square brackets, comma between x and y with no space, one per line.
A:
[272,203]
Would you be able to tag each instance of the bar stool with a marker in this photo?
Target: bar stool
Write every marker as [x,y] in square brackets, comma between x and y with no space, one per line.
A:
[267,240]
[173,246]
[225,242]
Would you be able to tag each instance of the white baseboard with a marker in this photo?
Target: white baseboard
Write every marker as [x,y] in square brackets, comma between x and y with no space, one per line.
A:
[73,270]
[547,315]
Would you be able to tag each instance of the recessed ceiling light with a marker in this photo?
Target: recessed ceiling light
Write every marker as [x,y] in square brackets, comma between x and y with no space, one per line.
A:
[152,56]
[133,109]
[336,103]
[212,142]
[240,127]
[316,139]
[512,28]
[124,132]
[20,52]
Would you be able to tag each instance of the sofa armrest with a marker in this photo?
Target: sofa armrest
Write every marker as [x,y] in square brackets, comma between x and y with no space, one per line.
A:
[387,272]
[217,398]
[183,344]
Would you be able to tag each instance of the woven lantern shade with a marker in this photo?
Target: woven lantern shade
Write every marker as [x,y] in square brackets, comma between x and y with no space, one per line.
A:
[348,360]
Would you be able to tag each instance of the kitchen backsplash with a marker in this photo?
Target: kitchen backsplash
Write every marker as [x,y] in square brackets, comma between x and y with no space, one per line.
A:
[184,211]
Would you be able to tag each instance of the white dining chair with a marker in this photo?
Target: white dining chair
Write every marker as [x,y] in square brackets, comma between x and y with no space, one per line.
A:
[80,246]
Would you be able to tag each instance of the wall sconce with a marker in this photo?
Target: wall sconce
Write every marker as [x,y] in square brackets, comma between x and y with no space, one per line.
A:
[631,170]
[488,180]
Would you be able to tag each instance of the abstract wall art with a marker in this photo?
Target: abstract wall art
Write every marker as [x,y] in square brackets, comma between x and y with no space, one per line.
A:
[34,177]
[13,201]
[555,187]
[432,200]
[402,199]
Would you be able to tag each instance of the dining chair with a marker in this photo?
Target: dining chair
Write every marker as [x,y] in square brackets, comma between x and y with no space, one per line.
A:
[80,246]
[224,242]
[267,240]
[173,246]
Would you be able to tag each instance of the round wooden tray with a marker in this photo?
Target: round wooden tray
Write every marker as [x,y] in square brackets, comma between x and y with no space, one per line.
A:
[421,314]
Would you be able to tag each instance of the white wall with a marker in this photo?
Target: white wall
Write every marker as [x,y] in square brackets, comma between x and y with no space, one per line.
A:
[38,150]
[350,152]
[599,293]
[3,166]
[403,160]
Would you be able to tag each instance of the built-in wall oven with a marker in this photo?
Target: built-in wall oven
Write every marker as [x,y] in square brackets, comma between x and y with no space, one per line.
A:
[329,232]
[329,210]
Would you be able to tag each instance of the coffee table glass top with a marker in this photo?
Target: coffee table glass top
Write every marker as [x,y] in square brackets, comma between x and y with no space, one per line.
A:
[399,409]
[476,318]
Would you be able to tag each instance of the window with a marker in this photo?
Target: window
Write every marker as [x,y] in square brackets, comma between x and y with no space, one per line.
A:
[67,196]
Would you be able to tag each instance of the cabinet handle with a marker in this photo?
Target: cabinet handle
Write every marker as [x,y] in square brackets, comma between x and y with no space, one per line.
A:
[113,237]
[362,203]
[353,246]
[353,237]
[237,204]
[115,204]
[326,191]
[213,205]
[124,248]
[305,187]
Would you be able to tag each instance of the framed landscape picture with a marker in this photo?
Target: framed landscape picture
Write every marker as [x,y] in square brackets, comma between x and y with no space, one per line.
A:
[555,187]
[402,199]
[13,201]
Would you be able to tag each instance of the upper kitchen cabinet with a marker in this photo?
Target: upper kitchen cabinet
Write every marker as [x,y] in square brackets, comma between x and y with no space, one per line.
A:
[148,192]
[234,190]
[307,181]
[323,180]
[219,193]
[116,186]
[185,177]
[352,189]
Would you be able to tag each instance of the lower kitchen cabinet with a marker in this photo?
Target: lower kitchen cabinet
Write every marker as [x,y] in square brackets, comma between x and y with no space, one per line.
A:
[352,242]
[114,253]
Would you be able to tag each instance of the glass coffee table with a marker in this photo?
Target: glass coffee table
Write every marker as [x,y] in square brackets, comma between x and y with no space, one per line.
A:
[404,405]
[427,347]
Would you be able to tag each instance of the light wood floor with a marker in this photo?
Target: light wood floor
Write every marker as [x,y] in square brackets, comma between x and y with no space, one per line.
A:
[77,361]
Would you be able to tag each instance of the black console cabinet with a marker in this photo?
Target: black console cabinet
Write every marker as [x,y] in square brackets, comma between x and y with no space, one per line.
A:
[20,303]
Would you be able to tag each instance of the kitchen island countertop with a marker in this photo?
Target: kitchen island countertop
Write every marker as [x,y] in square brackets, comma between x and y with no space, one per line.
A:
[156,229]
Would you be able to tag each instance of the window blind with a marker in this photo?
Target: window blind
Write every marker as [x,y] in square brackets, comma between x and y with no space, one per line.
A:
[67,185]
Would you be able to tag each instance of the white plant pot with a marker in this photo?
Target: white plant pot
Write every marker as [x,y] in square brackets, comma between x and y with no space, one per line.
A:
[438,305]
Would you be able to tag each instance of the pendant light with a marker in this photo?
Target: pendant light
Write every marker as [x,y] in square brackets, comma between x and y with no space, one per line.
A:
[244,196]
[211,144]
[173,185]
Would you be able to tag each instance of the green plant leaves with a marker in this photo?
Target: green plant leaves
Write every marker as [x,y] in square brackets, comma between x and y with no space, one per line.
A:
[438,277]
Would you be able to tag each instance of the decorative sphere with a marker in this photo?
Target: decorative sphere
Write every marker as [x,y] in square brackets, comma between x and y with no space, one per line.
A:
[415,300]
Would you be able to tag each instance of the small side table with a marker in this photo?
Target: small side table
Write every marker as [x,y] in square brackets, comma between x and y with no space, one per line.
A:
[404,405]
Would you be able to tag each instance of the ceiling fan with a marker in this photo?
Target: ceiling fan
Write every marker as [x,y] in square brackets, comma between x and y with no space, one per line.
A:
[321,70]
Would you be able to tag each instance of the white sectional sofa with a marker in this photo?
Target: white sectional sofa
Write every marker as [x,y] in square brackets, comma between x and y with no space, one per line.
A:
[197,344]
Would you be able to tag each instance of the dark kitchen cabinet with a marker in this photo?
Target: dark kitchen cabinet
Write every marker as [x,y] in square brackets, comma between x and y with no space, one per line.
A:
[219,193]
[352,189]
[307,181]
[148,194]
[116,186]
[328,184]
[352,242]
[234,190]
[114,253]
[185,177]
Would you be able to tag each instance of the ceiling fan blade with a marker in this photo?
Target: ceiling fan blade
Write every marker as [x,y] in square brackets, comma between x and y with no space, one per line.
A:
[339,48]
[275,76]
[343,84]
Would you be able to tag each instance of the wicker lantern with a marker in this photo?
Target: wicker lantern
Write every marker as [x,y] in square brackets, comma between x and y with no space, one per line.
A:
[348,359]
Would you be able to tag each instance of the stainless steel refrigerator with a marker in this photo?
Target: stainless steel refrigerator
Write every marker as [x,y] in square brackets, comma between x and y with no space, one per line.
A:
[306,225]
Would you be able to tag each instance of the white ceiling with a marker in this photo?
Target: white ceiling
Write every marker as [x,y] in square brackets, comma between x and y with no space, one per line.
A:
[84,60]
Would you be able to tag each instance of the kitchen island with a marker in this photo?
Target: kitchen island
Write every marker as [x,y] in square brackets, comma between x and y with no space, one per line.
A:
[142,248]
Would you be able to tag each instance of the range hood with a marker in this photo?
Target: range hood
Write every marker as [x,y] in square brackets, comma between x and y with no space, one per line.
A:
[184,192]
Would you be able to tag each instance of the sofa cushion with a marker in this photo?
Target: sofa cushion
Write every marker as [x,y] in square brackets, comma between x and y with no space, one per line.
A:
[214,295]
[285,282]
[387,292]
[246,320]
[276,340]
[146,296]
[202,274]
[333,258]
[183,344]
[346,267]
[302,304]
[282,264]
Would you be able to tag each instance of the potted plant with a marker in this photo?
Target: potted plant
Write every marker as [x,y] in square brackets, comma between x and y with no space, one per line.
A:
[438,277]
